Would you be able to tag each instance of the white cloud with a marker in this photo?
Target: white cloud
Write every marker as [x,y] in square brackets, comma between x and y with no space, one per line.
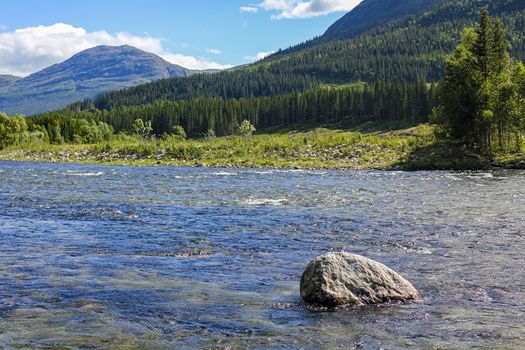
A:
[278,4]
[299,9]
[214,51]
[259,56]
[28,50]
[2,27]
[249,9]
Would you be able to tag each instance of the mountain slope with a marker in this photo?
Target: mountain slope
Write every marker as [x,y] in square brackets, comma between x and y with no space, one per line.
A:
[403,50]
[86,74]
[371,13]
[7,80]
[311,84]
[407,49]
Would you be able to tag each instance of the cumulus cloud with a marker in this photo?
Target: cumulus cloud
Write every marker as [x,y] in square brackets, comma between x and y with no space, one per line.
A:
[250,9]
[28,50]
[298,9]
[259,56]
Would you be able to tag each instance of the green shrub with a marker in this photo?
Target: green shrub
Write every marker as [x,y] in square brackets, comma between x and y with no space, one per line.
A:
[246,128]
[13,130]
[178,131]
[184,151]
[210,134]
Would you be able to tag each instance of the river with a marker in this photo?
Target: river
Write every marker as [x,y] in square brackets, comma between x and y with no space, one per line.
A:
[107,257]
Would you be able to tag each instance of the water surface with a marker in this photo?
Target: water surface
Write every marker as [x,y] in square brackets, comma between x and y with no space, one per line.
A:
[160,258]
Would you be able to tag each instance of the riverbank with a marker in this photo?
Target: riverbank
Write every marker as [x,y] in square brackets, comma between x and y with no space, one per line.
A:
[361,148]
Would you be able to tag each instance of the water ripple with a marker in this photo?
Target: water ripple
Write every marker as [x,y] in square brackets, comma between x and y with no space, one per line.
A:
[108,257]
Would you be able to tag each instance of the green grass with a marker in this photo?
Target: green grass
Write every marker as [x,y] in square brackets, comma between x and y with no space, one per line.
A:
[368,146]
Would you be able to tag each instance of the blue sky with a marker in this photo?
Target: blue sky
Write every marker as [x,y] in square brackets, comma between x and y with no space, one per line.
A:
[194,33]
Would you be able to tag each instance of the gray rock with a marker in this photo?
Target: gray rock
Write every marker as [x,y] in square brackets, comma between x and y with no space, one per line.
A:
[337,279]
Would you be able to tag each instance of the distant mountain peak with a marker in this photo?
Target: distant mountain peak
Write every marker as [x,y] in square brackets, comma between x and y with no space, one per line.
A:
[86,74]
[370,13]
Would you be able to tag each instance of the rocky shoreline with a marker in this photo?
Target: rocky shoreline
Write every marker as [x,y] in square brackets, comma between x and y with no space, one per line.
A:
[161,158]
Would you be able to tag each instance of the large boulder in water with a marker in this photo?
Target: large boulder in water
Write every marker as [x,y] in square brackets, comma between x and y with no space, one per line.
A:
[346,279]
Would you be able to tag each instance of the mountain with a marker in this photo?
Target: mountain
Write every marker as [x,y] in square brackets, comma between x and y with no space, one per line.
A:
[85,75]
[371,13]
[7,80]
[381,75]
[408,48]
[260,79]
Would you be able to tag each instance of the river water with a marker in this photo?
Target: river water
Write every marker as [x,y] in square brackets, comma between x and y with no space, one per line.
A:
[160,258]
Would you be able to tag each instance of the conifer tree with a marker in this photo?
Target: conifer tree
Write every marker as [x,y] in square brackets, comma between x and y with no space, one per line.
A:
[482,89]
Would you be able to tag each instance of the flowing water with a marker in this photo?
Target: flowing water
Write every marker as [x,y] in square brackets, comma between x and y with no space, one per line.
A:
[162,258]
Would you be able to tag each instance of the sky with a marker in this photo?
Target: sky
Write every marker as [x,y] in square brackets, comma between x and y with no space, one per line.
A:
[196,34]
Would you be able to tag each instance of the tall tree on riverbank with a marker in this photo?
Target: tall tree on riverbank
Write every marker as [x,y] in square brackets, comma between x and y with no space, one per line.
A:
[482,94]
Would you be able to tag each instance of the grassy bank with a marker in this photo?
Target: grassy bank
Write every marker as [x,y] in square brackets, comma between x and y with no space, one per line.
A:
[366,147]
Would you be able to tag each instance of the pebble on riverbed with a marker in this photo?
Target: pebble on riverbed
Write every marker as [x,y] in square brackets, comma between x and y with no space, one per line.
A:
[337,279]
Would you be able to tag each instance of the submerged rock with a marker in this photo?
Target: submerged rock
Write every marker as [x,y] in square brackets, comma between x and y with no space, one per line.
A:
[337,279]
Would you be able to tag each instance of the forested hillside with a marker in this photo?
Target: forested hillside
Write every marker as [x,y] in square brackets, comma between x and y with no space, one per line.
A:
[350,105]
[371,13]
[408,49]
[235,84]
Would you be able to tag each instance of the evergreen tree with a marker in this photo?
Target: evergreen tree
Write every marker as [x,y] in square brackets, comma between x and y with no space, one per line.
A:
[56,133]
[482,89]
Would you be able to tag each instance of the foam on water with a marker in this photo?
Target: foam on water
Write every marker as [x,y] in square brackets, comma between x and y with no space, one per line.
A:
[223,173]
[265,201]
[86,174]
